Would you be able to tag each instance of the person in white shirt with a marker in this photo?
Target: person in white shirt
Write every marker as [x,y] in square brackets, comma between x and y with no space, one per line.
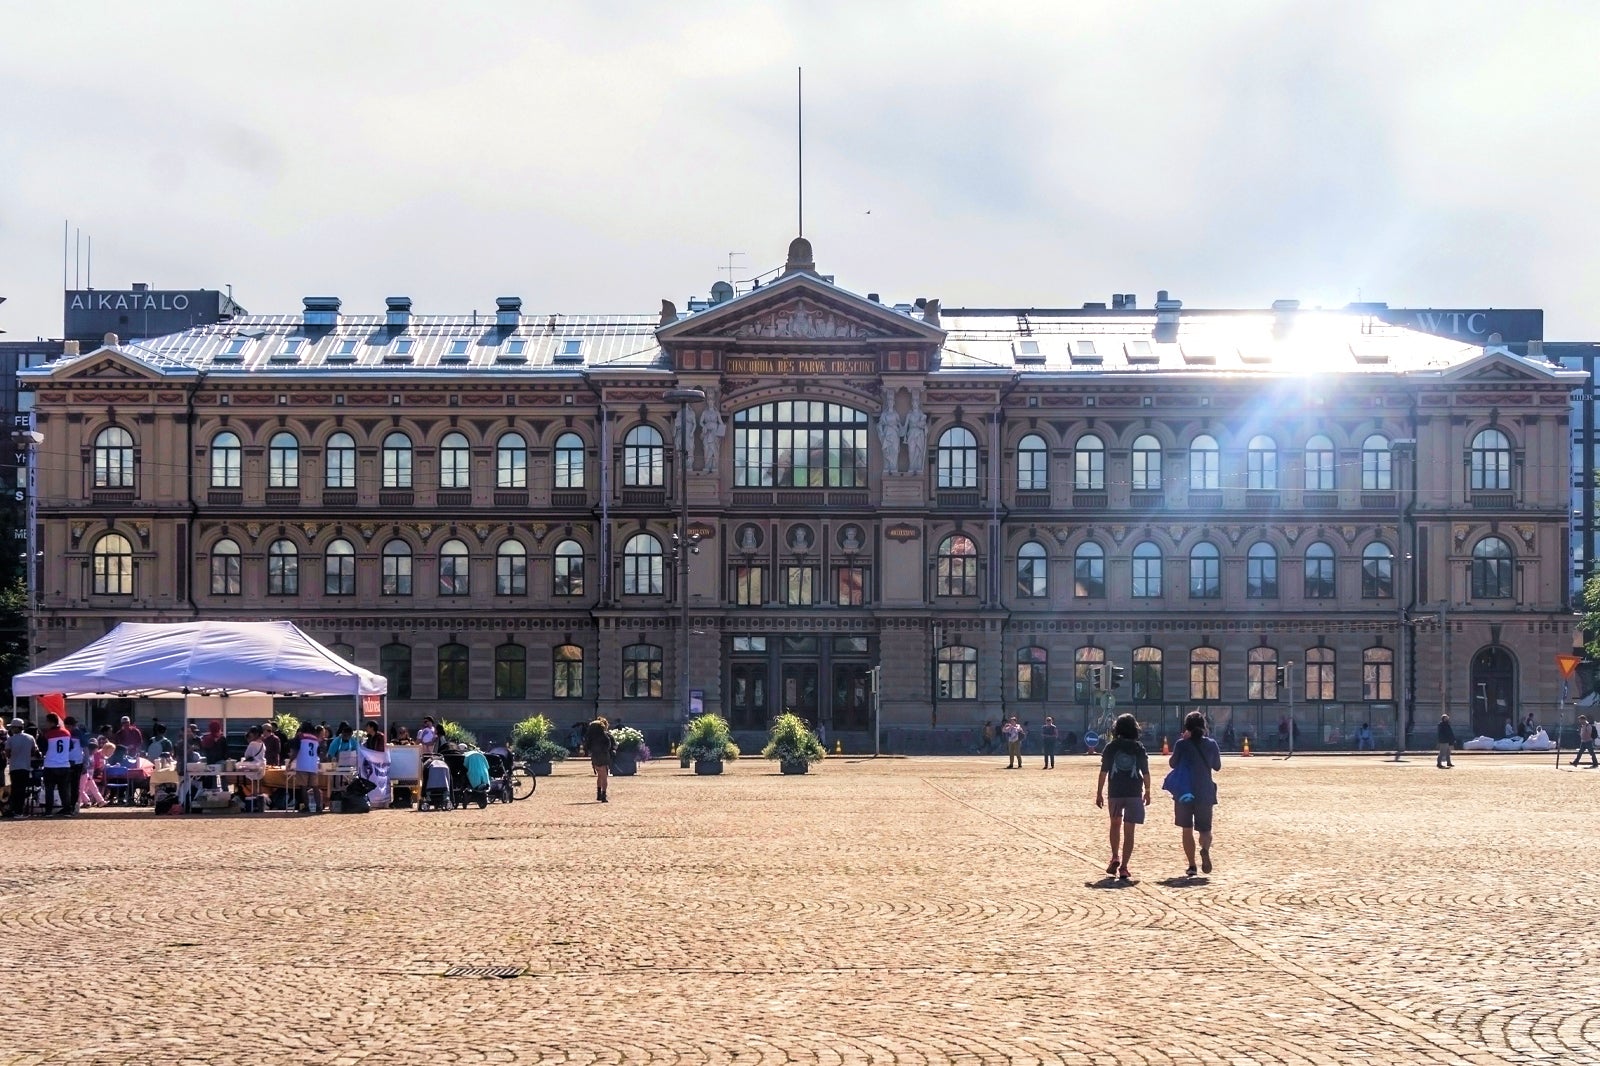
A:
[428,736]
[307,765]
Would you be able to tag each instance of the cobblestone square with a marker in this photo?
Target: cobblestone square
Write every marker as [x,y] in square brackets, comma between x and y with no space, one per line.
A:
[898,911]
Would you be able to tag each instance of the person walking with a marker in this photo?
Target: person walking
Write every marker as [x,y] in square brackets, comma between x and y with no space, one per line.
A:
[1200,754]
[57,767]
[21,749]
[601,745]
[1586,731]
[1011,732]
[1125,767]
[1447,741]
[1049,734]
[75,754]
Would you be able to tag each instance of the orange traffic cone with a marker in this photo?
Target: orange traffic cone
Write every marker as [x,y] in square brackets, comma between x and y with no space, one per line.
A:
[1166,749]
[838,746]
[1246,751]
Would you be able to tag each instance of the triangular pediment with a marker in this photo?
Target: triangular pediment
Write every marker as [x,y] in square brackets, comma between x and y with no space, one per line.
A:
[803,309]
[104,365]
[1498,366]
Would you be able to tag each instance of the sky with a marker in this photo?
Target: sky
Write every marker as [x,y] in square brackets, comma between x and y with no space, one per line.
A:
[598,157]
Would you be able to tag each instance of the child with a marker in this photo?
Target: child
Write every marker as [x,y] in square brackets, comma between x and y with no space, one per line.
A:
[1126,766]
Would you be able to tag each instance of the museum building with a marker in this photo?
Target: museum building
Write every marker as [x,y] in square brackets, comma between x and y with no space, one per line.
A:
[990,511]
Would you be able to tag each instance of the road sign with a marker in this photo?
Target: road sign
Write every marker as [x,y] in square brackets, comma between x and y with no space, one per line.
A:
[1568,664]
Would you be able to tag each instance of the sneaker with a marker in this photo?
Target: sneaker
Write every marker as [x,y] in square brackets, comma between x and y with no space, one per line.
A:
[1190,872]
[1205,860]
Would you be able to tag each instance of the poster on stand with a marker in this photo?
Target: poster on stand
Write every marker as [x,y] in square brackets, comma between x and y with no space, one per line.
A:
[375,769]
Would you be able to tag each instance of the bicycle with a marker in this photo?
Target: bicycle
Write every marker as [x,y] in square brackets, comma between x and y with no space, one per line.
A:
[524,782]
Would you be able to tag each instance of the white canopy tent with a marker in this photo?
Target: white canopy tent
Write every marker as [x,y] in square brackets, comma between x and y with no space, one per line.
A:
[190,660]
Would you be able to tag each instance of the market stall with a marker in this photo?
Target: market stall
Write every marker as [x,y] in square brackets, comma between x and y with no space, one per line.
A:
[208,665]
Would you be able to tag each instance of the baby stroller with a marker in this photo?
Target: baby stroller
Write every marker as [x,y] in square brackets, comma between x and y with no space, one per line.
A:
[437,793]
[469,777]
[499,777]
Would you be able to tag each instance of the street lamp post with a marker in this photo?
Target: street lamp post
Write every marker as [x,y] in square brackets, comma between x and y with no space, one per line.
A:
[1400,449]
[29,440]
[683,397]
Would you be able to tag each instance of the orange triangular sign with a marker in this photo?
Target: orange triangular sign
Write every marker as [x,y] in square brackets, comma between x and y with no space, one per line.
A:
[1568,663]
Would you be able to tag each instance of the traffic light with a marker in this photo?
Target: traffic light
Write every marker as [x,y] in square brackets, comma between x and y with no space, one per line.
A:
[1117,676]
[1282,677]
[1097,678]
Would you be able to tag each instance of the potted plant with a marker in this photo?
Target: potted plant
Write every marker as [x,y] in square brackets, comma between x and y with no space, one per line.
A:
[631,751]
[708,743]
[793,744]
[530,739]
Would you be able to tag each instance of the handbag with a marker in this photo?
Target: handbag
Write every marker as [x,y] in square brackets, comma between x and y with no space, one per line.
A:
[1180,781]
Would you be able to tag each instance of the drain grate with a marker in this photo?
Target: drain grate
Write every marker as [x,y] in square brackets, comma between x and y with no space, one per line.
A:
[484,971]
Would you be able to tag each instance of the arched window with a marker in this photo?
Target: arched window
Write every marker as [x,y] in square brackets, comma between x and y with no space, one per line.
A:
[1491,460]
[343,651]
[1205,674]
[1205,464]
[283,569]
[397,461]
[283,462]
[226,578]
[957,670]
[1089,571]
[511,672]
[453,661]
[1088,672]
[1089,464]
[1261,572]
[1261,674]
[1377,674]
[566,661]
[1146,570]
[511,462]
[394,663]
[1147,464]
[569,461]
[956,572]
[1377,572]
[1319,572]
[113,459]
[568,569]
[1491,569]
[1033,567]
[1319,674]
[339,569]
[511,569]
[396,568]
[1205,571]
[958,459]
[1376,471]
[340,465]
[644,461]
[1319,464]
[800,444]
[1147,683]
[455,462]
[1033,464]
[641,672]
[641,566]
[226,461]
[455,569]
[1033,669]
[1261,463]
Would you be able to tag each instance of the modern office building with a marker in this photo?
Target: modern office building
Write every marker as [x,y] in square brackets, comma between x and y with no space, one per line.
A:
[1249,511]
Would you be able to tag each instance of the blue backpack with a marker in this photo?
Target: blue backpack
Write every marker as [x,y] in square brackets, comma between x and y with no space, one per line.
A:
[1180,781]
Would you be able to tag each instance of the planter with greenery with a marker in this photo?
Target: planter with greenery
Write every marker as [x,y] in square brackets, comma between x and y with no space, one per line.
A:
[707,742]
[531,740]
[793,744]
[457,734]
[631,751]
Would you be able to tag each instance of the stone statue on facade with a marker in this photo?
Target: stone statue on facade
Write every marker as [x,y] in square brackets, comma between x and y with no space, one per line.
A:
[916,433]
[712,430]
[889,432]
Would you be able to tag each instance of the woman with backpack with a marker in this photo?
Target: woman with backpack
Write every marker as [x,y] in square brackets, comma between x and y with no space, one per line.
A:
[1125,765]
[1198,756]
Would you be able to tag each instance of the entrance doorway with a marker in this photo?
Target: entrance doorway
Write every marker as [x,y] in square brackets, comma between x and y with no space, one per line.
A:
[800,691]
[1493,692]
[852,697]
[748,696]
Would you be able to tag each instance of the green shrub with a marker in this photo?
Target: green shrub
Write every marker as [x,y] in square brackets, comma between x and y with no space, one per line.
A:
[288,725]
[530,738]
[792,741]
[456,733]
[707,737]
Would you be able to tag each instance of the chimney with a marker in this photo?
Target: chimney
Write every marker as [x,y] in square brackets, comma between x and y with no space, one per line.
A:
[1116,301]
[69,347]
[1130,301]
[399,312]
[1167,310]
[508,312]
[873,297]
[109,340]
[320,312]
[141,286]
[930,311]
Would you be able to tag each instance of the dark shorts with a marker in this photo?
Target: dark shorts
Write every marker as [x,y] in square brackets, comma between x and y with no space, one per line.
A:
[600,760]
[1196,816]
[1128,809]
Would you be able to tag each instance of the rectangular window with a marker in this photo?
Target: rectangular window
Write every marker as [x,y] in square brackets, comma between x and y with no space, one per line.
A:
[567,683]
[800,586]
[749,585]
[850,586]
[750,645]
